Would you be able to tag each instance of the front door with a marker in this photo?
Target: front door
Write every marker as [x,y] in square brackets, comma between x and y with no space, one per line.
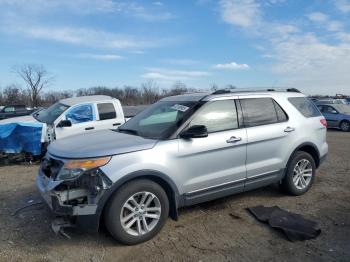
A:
[83,119]
[214,166]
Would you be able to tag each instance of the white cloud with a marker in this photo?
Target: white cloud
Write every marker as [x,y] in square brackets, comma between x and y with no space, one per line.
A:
[342,5]
[304,61]
[323,20]
[297,57]
[245,13]
[153,12]
[102,57]
[232,66]
[84,37]
[173,75]
[317,17]
[344,37]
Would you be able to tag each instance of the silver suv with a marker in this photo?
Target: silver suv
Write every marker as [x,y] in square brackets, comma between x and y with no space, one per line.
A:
[181,151]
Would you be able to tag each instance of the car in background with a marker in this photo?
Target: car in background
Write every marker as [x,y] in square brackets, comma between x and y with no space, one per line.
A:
[337,115]
[331,101]
[14,110]
[68,117]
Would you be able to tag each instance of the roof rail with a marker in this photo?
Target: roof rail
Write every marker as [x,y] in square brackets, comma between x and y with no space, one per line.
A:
[238,90]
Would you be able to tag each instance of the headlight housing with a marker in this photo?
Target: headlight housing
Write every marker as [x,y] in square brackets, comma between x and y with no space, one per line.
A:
[74,168]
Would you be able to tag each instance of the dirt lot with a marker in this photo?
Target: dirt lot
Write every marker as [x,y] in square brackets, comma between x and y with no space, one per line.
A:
[221,230]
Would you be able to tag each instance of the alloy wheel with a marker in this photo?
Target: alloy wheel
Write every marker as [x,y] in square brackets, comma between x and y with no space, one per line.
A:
[140,213]
[302,174]
[345,126]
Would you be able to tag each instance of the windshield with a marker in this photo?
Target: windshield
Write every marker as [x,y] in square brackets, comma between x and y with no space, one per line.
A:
[160,120]
[343,109]
[50,114]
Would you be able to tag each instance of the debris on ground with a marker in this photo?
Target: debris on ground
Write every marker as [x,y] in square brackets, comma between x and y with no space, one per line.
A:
[30,204]
[295,227]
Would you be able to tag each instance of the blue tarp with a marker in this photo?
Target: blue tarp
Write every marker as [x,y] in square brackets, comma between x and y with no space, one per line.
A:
[21,137]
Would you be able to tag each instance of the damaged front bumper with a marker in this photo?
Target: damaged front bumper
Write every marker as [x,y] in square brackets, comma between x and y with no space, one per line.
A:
[77,201]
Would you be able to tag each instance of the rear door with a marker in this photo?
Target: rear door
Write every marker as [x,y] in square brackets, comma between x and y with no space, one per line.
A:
[215,165]
[268,132]
[108,116]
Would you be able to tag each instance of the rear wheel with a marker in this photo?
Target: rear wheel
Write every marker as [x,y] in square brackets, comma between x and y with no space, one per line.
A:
[137,212]
[345,126]
[300,174]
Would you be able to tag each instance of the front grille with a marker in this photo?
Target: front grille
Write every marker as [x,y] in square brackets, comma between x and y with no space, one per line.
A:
[50,167]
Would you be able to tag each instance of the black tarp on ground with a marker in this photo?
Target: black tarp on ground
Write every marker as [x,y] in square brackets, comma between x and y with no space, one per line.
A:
[293,225]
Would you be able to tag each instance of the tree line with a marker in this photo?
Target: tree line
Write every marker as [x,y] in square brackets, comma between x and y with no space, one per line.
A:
[36,92]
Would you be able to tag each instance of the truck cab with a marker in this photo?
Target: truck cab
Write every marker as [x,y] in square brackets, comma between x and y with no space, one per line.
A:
[68,117]
[79,115]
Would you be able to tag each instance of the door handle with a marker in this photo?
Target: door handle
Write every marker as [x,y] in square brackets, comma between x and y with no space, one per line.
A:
[89,128]
[289,129]
[116,124]
[233,139]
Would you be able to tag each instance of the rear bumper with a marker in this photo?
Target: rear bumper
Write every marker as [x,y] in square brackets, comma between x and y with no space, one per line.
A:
[323,158]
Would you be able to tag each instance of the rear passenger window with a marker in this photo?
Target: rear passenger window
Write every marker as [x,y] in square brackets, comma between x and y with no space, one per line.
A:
[106,111]
[261,111]
[304,106]
[217,116]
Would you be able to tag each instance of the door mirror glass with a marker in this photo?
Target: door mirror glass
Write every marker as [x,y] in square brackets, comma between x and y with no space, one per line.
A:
[196,131]
[64,123]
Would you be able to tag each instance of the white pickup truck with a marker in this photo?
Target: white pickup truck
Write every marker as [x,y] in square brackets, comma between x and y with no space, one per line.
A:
[72,116]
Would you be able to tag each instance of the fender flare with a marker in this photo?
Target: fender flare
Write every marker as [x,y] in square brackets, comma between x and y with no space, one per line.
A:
[176,201]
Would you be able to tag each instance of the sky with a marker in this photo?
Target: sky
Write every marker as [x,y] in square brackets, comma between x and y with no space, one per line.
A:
[245,43]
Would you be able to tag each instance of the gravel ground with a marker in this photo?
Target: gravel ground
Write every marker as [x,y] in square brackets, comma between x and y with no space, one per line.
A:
[220,230]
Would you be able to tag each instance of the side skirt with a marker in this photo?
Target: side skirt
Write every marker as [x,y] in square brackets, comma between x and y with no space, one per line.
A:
[235,187]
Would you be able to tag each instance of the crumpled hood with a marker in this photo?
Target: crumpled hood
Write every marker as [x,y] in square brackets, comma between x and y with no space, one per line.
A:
[97,144]
[18,119]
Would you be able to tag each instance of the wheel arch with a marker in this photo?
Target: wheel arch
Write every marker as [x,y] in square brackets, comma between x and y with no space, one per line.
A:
[175,200]
[310,148]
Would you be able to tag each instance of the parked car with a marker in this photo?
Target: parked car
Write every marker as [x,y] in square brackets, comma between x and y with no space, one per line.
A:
[68,117]
[14,110]
[337,115]
[181,151]
[331,101]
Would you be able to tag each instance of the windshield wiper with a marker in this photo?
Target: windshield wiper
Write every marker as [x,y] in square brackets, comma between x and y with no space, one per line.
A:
[130,131]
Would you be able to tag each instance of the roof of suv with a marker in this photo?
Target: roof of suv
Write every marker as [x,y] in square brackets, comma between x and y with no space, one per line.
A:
[206,96]
[85,99]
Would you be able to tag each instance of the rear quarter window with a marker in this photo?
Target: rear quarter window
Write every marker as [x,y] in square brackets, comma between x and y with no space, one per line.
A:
[305,106]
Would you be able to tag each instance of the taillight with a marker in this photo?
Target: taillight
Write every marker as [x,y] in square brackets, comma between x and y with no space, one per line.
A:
[323,122]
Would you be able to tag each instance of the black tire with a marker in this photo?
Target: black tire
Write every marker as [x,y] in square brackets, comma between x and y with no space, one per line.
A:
[287,184]
[114,208]
[344,126]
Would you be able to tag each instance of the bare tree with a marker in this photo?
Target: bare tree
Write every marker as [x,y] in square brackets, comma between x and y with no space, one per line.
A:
[36,78]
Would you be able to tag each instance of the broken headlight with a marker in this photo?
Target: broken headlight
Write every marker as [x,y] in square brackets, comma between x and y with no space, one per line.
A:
[74,168]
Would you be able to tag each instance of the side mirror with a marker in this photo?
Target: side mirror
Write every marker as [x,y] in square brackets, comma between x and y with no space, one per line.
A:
[64,123]
[196,131]
[334,112]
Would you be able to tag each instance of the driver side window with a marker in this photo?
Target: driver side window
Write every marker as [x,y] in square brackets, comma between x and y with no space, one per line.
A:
[80,114]
[217,116]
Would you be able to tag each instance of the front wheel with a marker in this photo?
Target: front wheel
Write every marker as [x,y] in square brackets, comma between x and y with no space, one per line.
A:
[300,174]
[137,212]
